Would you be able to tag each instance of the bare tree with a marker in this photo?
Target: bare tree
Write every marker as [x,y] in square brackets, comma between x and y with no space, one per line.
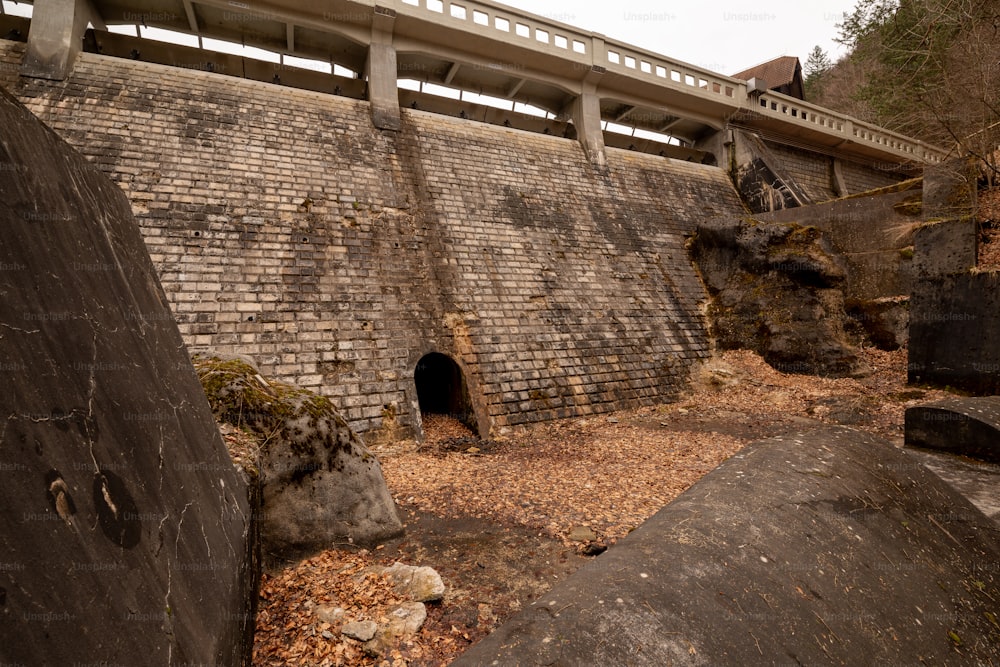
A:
[927,68]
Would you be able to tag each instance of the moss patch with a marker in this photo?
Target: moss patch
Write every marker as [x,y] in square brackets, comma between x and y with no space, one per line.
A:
[241,397]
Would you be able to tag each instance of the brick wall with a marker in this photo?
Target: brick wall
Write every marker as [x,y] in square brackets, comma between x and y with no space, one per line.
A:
[813,172]
[11,54]
[862,178]
[286,228]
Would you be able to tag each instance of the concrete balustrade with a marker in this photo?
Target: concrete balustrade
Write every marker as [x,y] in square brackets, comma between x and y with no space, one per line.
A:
[492,49]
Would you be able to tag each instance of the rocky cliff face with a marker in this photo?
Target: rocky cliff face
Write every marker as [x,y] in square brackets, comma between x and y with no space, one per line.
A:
[775,288]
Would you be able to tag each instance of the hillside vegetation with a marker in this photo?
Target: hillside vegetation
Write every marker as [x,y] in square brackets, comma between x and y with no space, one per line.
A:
[926,68]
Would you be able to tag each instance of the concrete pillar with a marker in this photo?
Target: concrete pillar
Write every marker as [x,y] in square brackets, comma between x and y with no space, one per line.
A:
[587,118]
[839,183]
[56,37]
[383,91]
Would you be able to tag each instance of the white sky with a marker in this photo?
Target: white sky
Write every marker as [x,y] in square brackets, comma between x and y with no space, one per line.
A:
[725,36]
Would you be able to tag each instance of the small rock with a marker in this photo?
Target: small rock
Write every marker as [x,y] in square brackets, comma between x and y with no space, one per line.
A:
[329,615]
[422,584]
[326,634]
[407,619]
[582,534]
[361,630]
[612,420]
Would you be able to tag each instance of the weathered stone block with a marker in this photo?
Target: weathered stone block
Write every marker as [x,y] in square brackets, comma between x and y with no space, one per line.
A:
[964,426]
[945,247]
[126,531]
[955,332]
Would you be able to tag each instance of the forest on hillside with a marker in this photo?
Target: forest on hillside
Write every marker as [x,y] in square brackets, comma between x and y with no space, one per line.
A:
[929,69]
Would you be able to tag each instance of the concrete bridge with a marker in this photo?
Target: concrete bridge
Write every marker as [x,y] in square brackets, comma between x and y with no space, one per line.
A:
[474,45]
[378,246]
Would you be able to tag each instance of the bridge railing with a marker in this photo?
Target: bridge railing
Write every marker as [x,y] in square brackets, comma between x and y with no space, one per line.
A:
[638,63]
[504,24]
[538,33]
[792,110]
[586,49]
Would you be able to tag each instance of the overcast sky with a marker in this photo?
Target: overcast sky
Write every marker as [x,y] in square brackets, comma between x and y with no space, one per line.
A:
[725,36]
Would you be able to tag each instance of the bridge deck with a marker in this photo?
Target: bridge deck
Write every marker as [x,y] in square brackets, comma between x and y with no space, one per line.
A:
[486,47]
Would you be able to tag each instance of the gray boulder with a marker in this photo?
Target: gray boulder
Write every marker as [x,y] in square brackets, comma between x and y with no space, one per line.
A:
[320,484]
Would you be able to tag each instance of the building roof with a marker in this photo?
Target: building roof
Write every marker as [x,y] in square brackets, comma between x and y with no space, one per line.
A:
[775,73]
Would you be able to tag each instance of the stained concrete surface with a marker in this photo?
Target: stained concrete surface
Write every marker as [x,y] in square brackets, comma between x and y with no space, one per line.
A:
[967,426]
[125,534]
[826,547]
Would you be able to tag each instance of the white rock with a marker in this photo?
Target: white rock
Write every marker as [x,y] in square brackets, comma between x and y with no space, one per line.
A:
[422,584]
[361,630]
[407,619]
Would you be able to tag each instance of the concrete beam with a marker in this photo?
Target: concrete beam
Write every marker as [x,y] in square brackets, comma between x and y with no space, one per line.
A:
[383,89]
[191,16]
[623,115]
[839,183]
[290,36]
[513,90]
[452,71]
[56,37]
[669,126]
[586,112]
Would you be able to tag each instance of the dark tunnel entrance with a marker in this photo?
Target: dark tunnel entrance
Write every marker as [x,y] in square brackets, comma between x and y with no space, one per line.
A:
[441,389]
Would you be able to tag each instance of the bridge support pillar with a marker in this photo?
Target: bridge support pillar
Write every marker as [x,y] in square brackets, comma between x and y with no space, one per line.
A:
[56,37]
[586,113]
[383,91]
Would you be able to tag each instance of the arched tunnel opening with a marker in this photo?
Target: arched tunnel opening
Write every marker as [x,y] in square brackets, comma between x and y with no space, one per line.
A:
[441,389]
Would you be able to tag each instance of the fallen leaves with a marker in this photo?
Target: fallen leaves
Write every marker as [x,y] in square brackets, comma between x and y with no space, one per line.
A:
[607,474]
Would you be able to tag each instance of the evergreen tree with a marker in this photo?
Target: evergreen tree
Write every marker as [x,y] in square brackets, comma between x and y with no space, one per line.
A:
[817,64]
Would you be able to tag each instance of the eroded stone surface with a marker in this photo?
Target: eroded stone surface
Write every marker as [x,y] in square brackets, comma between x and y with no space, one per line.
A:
[776,290]
[126,532]
[826,547]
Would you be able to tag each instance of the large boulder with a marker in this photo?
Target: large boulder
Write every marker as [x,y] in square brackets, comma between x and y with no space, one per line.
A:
[126,536]
[830,547]
[776,289]
[320,484]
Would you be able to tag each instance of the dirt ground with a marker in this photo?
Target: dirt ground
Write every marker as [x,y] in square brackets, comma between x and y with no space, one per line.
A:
[505,519]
